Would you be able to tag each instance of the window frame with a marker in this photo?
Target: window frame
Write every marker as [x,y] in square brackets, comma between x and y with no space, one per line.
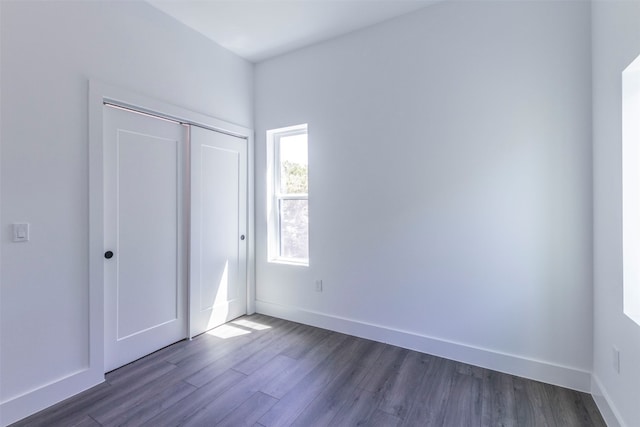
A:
[275,195]
[631,190]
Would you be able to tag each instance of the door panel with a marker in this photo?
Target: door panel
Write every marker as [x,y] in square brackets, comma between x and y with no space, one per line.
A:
[145,286]
[218,224]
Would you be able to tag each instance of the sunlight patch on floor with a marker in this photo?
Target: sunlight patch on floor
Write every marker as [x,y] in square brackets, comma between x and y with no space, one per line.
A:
[251,325]
[227,331]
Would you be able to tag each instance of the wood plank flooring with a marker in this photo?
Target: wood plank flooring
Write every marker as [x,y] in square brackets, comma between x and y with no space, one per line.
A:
[261,371]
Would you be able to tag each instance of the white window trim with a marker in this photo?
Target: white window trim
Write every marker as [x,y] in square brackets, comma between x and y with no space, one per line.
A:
[631,190]
[274,196]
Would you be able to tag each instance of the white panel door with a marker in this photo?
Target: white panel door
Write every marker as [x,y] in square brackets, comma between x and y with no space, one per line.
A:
[218,256]
[145,283]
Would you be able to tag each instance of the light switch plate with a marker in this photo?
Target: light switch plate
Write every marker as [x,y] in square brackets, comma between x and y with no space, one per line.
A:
[21,232]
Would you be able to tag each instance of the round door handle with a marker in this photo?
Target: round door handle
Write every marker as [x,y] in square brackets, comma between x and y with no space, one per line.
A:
[242,237]
[108,255]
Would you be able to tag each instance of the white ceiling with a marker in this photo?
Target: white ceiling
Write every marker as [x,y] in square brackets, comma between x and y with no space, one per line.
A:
[260,29]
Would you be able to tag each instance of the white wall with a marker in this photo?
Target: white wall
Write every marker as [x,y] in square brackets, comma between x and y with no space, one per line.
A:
[49,50]
[616,43]
[450,180]
[450,185]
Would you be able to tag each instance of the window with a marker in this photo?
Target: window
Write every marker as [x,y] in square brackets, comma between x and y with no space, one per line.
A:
[631,189]
[288,191]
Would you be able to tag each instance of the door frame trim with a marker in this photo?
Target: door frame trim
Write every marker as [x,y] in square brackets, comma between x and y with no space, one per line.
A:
[99,94]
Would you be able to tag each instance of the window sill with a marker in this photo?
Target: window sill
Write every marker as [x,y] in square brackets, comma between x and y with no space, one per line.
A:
[287,261]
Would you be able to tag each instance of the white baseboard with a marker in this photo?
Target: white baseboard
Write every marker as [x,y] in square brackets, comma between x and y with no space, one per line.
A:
[546,372]
[36,400]
[603,401]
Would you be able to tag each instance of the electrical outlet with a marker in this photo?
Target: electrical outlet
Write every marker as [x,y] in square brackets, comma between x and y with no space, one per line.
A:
[616,359]
[318,285]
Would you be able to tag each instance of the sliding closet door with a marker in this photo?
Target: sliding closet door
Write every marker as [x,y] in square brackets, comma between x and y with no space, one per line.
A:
[218,255]
[144,234]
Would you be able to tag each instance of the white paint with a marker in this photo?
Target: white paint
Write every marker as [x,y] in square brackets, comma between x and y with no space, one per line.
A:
[481,106]
[449,183]
[21,232]
[539,370]
[295,135]
[100,93]
[145,281]
[1,215]
[602,399]
[49,311]
[257,30]
[631,189]
[616,43]
[218,255]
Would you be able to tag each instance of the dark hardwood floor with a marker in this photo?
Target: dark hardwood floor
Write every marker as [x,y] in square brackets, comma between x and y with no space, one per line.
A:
[263,371]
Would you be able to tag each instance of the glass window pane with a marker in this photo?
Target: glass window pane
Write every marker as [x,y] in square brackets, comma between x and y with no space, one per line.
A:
[293,164]
[294,229]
